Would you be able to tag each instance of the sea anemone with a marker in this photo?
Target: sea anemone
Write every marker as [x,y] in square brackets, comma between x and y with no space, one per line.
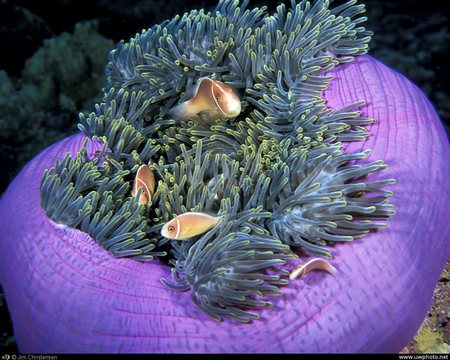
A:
[290,176]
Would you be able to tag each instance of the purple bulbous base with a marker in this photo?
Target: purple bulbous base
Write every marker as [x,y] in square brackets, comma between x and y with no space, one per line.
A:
[66,294]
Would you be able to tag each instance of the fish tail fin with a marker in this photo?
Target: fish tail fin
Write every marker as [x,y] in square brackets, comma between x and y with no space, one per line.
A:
[182,111]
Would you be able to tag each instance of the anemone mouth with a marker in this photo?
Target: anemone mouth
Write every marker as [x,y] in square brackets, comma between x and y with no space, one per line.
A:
[276,173]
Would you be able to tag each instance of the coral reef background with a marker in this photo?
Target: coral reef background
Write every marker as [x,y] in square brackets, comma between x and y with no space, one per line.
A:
[53,68]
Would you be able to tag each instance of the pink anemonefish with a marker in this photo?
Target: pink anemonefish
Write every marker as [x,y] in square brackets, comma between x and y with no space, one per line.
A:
[188,225]
[145,180]
[213,97]
[313,264]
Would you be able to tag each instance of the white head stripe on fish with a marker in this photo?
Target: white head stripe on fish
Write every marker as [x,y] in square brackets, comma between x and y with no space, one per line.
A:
[216,85]
[178,228]
[144,186]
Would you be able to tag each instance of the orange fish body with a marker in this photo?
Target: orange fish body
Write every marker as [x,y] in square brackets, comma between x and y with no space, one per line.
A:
[213,97]
[314,264]
[145,180]
[188,225]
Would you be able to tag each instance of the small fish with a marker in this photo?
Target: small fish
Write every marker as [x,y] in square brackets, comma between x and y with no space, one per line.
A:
[188,225]
[145,180]
[313,264]
[213,97]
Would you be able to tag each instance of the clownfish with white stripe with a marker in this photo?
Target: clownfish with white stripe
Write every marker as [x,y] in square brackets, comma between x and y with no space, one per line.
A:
[313,264]
[188,225]
[212,97]
[145,180]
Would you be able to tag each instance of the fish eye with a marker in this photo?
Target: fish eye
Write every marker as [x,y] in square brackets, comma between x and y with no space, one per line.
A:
[218,98]
[171,228]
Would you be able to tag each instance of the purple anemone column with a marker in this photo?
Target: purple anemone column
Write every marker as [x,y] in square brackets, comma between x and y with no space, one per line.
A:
[67,294]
